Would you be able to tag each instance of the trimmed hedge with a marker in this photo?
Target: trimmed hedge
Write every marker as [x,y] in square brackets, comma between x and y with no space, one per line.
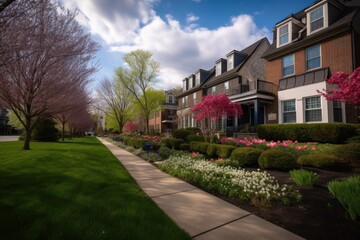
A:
[317,132]
[195,138]
[200,147]
[172,143]
[245,156]
[165,152]
[181,133]
[277,159]
[184,146]
[224,151]
[348,152]
[319,160]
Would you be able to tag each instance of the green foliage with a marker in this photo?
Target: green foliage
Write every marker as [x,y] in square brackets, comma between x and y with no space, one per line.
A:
[319,132]
[319,160]
[195,138]
[348,194]
[79,180]
[184,146]
[172,143]
[45,131]
[348,152]
[224,151]
[245,156]
[277,159]
[211,150]
[200,147]
[303,177]
[165,152]
[181,133]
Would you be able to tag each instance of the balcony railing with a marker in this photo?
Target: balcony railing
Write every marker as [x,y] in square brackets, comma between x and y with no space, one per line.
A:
[258,86]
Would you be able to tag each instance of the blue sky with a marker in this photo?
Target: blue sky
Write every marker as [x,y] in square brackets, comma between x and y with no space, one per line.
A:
[183,35]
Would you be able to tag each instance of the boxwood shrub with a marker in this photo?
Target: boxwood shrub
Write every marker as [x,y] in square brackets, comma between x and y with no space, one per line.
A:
[319,132]
[184,146]
[172,143]
[224,151]
[245,156]
[181,133]
[277,159]
[195,138]
[319,160]
[200,147]
[348,152]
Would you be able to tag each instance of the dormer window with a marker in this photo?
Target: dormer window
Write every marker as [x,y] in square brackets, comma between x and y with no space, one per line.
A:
[317,17]
[284,35]
[230,64]
[190,82]
[170,99]
[184,85]
[197,78]
[218,69]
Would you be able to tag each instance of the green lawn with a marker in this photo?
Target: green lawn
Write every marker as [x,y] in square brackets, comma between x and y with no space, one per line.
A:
[74,190]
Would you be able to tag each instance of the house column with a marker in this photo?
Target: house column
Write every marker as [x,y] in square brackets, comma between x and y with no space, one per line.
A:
[256,112]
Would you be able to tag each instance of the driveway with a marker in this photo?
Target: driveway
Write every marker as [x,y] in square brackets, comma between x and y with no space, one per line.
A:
[8,138]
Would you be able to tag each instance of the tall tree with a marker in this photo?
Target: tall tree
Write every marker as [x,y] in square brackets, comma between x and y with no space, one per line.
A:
[117,99]
[211,109]
[47,55]
[138,77]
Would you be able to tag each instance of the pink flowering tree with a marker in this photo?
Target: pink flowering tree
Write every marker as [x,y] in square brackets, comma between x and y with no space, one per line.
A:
[348,90]
[130,127]
[211,109]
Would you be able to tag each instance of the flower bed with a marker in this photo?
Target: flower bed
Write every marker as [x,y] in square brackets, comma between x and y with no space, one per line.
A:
[257,186]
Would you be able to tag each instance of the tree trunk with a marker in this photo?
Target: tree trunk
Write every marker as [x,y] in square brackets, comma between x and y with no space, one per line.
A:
[26,145]
[63,131]
[147,125]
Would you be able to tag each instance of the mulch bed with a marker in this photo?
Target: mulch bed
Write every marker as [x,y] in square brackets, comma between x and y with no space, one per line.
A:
[318,216]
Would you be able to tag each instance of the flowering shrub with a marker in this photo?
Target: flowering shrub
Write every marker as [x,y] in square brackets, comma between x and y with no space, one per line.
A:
[242,142]
[257,186]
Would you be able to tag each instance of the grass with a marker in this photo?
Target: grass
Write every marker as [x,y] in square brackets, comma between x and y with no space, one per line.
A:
[303,177]
[74,190]
[348,194]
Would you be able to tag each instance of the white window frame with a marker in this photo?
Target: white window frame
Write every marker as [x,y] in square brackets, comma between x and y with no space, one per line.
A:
[197,79]
[288,25]
[226,85]
[213,89]
[308,11]
[306,58]
[218,69]
[194,96]
[186,100]
[283,66]
[190,79]
[230,62]
[284,112]
[312,109]
[170,99]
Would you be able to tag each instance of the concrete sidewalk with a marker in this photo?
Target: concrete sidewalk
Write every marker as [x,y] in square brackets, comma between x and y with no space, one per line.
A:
[202,215]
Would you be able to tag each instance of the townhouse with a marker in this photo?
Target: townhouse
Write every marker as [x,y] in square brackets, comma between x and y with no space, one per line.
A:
[240,76]
[165,120]
[307,48]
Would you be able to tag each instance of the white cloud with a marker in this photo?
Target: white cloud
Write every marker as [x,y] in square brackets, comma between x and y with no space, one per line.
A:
[191,18]
[181,50]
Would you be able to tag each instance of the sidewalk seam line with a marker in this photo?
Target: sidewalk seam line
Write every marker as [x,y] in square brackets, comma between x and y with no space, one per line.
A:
[221,225]
[167,194]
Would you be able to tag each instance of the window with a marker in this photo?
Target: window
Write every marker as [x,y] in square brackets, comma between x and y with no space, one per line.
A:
[197,79]
[337,111]
[218,69]
[316,19]
[288,65]
[226,85]
[194,96]
[313,57]
[171,99]
[184,85]
[186,101]
[213,89]
[190,82]
[183,102]
[283,35]
[289,111]
[230,63]
[313,109]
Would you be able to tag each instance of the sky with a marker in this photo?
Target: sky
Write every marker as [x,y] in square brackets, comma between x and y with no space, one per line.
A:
[183,35]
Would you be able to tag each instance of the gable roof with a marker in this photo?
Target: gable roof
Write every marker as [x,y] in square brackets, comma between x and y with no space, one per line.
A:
[342,24]
[235,71]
